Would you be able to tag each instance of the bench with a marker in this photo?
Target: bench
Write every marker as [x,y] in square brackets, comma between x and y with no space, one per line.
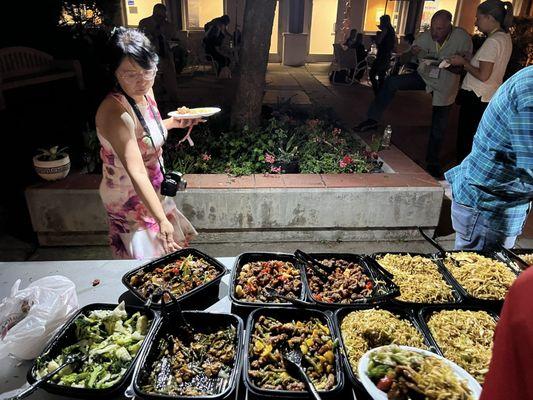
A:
[24,66]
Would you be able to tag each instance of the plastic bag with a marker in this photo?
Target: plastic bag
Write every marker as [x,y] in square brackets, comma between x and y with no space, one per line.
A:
[29,317]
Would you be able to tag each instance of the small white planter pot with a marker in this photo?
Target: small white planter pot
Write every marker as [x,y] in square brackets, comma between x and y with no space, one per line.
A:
[52,170]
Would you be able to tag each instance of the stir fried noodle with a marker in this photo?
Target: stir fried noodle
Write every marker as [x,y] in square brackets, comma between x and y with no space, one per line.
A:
[482,277]
[418,278]
[465,337]
[366,329]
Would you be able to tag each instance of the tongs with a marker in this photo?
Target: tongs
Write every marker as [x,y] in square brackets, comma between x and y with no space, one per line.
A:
[172,310]
[320,270]
[69,360]
[270,292]
[293,363]
[442,252]
[522,264]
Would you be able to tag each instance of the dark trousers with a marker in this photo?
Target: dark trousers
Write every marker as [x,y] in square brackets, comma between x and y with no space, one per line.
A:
[471,111]
[439,118]
[378,72]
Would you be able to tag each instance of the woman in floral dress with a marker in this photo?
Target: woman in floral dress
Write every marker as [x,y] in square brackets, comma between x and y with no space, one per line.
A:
[142,222]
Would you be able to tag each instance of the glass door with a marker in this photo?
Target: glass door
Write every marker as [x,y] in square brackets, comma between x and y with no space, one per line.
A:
[322,27]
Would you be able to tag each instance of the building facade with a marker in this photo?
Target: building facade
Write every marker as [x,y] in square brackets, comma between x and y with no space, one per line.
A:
[317,22]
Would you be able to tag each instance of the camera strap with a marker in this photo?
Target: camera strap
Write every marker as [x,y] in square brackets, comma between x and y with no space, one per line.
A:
[144,125]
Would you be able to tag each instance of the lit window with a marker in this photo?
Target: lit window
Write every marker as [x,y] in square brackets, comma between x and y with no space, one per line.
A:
[431,7]
[376,8]
[138,9]
[274,37]
[200,12]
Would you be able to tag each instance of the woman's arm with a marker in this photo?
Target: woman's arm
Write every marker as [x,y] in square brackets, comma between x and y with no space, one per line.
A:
[482,72]
[118,128]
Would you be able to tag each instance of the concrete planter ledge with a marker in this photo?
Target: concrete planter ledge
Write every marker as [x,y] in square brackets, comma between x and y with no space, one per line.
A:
[261,208]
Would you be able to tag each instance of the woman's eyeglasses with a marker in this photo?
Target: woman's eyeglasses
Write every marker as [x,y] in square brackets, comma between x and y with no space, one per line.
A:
[147,75]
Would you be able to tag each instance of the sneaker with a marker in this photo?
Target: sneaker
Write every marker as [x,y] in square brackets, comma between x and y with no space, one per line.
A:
[365,126]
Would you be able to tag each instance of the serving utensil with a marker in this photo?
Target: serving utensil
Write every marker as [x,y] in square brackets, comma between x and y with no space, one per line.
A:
[522,264]
[442,252]
[293,364]
[320,270]
[69,360]
[270,292]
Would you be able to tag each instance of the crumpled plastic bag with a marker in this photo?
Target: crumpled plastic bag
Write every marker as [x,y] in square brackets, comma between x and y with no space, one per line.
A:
[29,317]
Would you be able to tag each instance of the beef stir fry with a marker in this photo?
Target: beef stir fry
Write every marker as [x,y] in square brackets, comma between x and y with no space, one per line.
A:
[198,367]
[271,337]
[178,277]
[281,276]
[346,283]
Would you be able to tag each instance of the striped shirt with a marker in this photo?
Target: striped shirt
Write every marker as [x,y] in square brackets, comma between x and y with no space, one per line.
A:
[497,176]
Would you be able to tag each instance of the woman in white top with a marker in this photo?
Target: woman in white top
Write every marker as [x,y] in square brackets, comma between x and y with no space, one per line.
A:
[485,70]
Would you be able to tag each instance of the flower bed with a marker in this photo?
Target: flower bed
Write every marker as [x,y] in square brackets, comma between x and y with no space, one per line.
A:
[286,142]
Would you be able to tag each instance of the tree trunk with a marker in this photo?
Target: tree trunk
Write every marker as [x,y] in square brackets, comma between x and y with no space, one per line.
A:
[257,29]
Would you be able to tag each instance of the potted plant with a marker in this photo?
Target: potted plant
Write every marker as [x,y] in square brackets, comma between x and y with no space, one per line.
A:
[52,164]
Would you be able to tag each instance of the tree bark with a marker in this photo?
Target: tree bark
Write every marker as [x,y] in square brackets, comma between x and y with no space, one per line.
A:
[257,29]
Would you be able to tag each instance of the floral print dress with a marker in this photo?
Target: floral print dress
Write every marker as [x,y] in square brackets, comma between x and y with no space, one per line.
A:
[133,232]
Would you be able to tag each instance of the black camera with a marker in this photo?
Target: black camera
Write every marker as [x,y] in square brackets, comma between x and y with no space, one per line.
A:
[172,182]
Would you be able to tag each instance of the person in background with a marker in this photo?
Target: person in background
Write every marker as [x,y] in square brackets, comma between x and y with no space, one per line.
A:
[214,39]
[360,54]
[142,222]
[350,40]
[160,32]
[442,41]
[510,372]
[408,61]
[485,70]
[493,187]
[385,42]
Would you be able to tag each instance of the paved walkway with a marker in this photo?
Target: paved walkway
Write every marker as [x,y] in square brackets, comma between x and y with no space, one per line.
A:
[409,115]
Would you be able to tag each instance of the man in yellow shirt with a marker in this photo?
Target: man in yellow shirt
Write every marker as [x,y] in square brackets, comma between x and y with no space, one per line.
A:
[441,80]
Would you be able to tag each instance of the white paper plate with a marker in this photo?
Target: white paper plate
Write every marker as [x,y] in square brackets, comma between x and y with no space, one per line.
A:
[377,394]
[201,112]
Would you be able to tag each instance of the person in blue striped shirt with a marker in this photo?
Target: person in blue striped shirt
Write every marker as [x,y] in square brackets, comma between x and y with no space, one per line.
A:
[493,187]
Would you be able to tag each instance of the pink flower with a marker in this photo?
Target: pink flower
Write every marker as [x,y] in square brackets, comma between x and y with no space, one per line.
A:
[206,157]
[275,170]
[269,158]
[347,159]
[342,164]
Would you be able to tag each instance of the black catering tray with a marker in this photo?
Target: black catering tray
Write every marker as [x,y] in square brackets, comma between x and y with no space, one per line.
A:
[244,308]
[468,299]
[66,336]
[289,314]
[456,290]
[199,320]
[402,312]
[192,298]
[376,273]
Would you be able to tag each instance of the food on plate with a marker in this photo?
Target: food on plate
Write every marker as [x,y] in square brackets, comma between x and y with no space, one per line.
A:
[254,277]
[481,277]
[270,337]
[109,339]
[178,277]
[197,366]
[405,374]
[367,329]
[465,337]
[347,282]
[418,278]
[186,110]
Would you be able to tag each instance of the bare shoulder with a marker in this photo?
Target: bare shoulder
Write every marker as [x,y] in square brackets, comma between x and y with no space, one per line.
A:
[112,115]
